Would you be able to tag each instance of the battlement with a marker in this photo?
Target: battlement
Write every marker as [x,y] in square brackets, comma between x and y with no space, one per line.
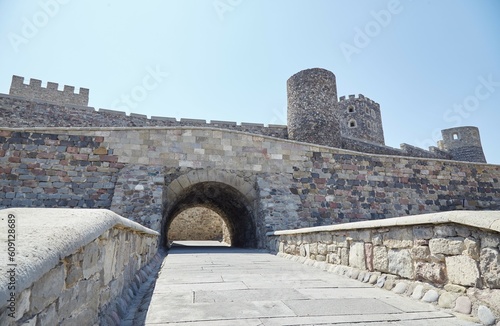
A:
[51,93]
[359,97]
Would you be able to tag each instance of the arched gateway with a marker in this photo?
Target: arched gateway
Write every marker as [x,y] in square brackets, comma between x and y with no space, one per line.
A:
[231,196]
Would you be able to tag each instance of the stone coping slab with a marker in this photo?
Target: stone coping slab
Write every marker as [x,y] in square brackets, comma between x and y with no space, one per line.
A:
[489,220]
[43,236]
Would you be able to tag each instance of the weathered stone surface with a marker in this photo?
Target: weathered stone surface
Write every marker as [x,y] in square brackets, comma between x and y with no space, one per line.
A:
[486,297]
[463,305]
[400,288]
[357,255]
[444,231]
[490,240]
[430,296]
[381,281]
[472,248]
[423,232]
[455,288]
[430,272]
[390,282]
[322,249]
[462,270]
[198,223]
[485,315]
[400,262]
[47,289]
[418,292]
[420,253]
[447,300]
[398,238]
[63,291]
[380,259]
[490,267]
[373,279]
[448,246]
[369,256]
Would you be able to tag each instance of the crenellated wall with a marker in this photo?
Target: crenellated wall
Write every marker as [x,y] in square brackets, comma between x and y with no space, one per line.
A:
[35,91]
[360,117]
[21,112]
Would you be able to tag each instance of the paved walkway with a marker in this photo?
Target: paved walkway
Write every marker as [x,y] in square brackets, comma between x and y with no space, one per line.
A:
[217,286]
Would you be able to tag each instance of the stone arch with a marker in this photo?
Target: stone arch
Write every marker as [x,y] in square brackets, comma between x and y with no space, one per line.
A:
[231,196]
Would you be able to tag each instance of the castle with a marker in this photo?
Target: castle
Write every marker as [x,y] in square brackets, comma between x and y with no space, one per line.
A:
[265,184]
[315,115]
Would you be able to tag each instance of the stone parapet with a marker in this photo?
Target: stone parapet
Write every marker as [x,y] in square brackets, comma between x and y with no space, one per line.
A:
[35,91]
[451,259]
[71,265]
[17,111]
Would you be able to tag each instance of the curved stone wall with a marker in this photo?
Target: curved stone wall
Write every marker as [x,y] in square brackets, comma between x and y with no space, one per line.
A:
[449,259]
[312,97]
[198,223]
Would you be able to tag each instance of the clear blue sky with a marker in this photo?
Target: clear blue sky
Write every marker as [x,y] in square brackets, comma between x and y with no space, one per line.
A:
[430,64]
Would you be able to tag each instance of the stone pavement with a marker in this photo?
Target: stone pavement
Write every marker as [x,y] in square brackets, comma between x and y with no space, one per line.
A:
[222,286]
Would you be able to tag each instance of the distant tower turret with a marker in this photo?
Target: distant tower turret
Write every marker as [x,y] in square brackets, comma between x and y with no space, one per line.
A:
[360,118]
[312,99]
[463,143]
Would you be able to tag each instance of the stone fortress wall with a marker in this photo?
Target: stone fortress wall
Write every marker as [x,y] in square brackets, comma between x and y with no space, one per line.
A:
[297,184]
[61,155]
[315,115]
[34,90]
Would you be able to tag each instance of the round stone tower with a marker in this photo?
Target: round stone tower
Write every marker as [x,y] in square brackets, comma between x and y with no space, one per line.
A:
[463,143]
[312,98]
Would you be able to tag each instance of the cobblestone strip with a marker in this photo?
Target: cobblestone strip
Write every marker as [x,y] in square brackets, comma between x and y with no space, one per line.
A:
[139,306]
[135,309]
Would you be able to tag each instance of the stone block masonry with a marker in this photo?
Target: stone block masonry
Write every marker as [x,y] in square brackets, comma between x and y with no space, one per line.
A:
[50,170]
[298,184]
[74,267]
[450,259]
[198,223]
[34,90]
[315,115]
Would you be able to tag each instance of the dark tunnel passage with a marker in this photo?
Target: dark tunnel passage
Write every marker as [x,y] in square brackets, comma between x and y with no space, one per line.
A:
[232,206]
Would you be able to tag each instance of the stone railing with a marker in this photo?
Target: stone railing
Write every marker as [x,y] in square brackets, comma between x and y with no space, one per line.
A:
[71,266]
[450,259]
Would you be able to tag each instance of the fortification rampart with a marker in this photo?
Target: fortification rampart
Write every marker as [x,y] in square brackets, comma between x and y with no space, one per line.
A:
[298,184]
[314,116]
[74,267]
[20,112]
[449,259]
[34,90]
